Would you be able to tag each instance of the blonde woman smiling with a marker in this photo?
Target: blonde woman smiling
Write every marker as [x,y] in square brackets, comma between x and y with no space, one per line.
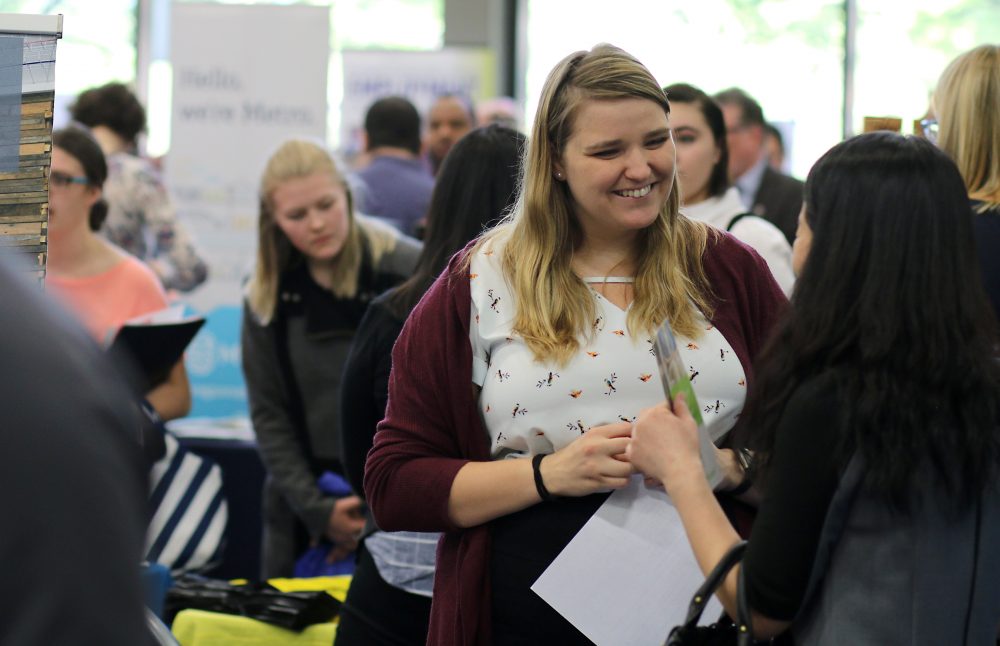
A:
[535,346]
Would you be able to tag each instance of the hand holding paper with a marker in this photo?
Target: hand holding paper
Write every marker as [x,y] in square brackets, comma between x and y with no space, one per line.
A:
[665,445]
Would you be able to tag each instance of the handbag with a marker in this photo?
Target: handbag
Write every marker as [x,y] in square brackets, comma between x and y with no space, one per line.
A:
[260,601]
[188,510]
[723,632]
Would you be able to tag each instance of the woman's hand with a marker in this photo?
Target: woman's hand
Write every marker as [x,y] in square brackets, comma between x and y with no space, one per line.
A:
[172,398]
[593,462]
[664,444]
[345,526]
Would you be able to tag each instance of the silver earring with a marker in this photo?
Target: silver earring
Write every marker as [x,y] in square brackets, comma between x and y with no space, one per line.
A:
[559,176]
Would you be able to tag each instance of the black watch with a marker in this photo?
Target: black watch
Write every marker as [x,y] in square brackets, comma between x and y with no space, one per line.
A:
[745,457]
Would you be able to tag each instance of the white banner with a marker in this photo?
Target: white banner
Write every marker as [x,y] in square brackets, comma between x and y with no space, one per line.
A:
[245,78]
[418,76]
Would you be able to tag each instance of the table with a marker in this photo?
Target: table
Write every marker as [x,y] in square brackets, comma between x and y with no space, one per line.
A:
[202,628]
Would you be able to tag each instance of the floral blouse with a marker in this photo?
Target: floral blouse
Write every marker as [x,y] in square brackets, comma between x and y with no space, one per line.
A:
[142,220]
[530,407]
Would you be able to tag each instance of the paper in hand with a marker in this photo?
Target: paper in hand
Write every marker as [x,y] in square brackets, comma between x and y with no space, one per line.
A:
[675,380]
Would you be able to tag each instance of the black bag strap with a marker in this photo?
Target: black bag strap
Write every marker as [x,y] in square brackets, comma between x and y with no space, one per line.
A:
[712,582]
[744,624]
[737,218]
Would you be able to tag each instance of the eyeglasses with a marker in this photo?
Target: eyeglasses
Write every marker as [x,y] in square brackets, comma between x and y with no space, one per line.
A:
[930,129]
[62,180]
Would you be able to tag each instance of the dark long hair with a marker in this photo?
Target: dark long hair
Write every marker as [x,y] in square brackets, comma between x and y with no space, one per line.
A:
[718,181]
[80,145]
[890,300]
[476,185]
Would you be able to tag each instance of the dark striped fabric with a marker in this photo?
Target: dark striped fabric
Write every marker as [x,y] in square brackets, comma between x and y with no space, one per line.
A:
[188,511]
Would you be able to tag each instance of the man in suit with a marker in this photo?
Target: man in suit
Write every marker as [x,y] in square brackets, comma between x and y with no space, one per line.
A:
[772,195]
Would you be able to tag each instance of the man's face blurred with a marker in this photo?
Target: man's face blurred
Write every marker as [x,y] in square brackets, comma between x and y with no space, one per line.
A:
[447,122]
[744,141]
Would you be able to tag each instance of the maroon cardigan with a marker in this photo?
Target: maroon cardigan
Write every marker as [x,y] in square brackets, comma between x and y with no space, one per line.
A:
[432,425]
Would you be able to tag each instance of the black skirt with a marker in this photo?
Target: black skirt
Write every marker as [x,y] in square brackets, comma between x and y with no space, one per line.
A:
[377,613]
[524,545]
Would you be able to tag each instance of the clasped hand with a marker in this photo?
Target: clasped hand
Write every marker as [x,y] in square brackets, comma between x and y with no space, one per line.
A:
[662,445]
[593,462]
[347,522]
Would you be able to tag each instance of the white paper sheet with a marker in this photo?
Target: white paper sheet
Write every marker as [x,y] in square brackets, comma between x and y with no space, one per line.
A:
[169,314]
[628,575]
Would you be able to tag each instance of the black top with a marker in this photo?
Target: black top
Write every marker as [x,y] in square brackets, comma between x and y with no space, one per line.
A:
[802,480]
[987,231]
[73,486]
[365,388]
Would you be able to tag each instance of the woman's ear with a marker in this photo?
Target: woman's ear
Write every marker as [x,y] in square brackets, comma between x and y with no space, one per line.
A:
[558,171]
[92,195]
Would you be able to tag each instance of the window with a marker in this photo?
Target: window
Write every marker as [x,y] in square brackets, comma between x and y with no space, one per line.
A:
[98,45]
[902,48]
[789,55]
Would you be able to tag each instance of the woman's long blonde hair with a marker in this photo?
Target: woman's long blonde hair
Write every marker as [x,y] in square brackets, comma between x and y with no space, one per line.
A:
[294,159]
[967,106]
[554,306]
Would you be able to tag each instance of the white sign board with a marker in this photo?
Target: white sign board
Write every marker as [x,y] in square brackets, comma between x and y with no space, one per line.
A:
[418,76]
[245,78]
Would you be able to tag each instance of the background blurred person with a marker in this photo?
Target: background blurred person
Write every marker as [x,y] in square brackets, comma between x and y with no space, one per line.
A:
[516,377]
[501,110]
[389,601]
[702,172]
[319,264]
[449,118]
[882,381]
[141,216]
[102,284]
[73,483]
[772,195]
[774,147]
[397,188]
[967,106]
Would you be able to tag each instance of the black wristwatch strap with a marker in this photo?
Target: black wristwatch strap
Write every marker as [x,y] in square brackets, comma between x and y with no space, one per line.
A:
[536,467]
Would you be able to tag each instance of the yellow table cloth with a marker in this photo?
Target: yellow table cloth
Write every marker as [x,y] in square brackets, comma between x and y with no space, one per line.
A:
[202,628]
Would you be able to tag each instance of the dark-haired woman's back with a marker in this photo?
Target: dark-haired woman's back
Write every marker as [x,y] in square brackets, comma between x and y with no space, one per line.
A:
[875,417]
[921,574]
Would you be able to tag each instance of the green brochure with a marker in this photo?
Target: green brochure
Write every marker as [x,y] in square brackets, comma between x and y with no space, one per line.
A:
[675,380]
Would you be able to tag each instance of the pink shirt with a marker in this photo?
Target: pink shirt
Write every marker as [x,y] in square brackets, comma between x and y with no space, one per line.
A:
[106,300]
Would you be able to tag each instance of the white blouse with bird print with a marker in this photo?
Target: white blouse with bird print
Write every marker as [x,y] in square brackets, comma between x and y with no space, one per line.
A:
[530,407]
